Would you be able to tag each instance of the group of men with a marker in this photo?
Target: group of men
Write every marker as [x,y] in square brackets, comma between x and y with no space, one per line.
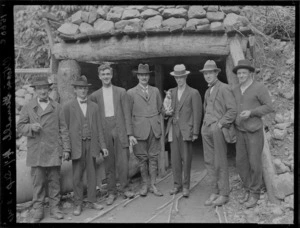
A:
[111,120]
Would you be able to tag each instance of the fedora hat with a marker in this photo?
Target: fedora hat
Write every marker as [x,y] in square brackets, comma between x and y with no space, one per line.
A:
[143,69]
[81,81]
[179,70]
[40,81]
[244,64]
[210,65]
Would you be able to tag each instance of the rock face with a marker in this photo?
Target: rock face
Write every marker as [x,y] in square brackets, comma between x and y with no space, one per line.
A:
[196,12]
[280,166]
[85,27]
[115,14]
[231,19]
[280,134]
[195,22]
[153,22]
[283,185]
[101,12]
[216,26]
[149,13]
[130,13]
[212,8]
[68,29]
[103,26]
[180,12]
[174,22]
[215,16]
[230,9]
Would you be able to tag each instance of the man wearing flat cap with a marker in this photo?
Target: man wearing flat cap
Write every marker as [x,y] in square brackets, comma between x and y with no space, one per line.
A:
[253,102]
[113,103]
[42,121]
[145,107]
[87,141]
[183,128]
[219,115]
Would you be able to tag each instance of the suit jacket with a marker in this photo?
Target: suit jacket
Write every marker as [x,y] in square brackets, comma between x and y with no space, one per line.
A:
[72,116]
[224,108]
[190,112]
[121,109]
[145,112]
[46,146]
[256,98]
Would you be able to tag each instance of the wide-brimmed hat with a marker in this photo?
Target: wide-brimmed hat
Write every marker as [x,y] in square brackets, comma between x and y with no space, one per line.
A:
[243,64]
[40,81]
[179,70]
[143,69]
[81,81]
[209,66]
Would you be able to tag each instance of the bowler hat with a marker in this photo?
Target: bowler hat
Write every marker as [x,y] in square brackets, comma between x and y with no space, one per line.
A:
[39,81]
[143,69]
[179,70]
[81,81]
[210,65]
[243,64]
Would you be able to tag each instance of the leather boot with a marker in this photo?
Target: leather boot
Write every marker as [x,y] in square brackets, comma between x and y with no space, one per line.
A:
[145,177]
[153,175]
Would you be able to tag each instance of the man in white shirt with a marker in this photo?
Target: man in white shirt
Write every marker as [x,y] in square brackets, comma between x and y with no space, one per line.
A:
[87,141]
[115,116]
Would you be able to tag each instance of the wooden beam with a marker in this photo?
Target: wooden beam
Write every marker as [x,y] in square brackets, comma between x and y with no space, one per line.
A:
[236,50]
[33,71]
[231,77]
[127,48]
[159,84]
[268,170]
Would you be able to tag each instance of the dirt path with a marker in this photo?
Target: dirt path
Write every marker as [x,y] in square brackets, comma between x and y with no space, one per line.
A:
[152,209]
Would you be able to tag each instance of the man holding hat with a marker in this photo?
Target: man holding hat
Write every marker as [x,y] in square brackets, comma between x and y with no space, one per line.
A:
[42,121]
[113,103]
[183,128]
[87,140]
[253,102]
[219,114]
[146,105]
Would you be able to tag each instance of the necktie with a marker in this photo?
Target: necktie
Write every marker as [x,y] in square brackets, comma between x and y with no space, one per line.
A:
[84,101]
[44,100]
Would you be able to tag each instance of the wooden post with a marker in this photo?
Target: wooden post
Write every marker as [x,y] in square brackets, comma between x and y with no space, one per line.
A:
[236,50]
[161,157]
[231,77]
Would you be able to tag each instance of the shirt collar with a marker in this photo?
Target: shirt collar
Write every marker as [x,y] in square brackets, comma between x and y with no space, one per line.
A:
[79,99]
[144,87]
[213,83]
[247,85]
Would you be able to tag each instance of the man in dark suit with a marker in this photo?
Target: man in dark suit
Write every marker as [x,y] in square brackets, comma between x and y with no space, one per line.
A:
[220,112]
[42,121]
[183,128]
[113,104]
[86,135]
[146,105]
[253,102]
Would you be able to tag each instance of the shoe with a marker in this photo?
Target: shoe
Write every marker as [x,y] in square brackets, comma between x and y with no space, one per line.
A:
[110,199]
[77,210]
[155,191]
[185,192]
[38,215]
[128,194]
[244,198]
[56,213]
[175,190]
[95,206]
[221,200]
[212,197]
[251,202]
[144,190]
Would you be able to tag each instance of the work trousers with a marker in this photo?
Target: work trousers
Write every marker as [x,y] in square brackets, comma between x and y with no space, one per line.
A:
[85,162]
[40,176]
[147,152]
[181,159]
[117,160]
[249,148]
[215,158]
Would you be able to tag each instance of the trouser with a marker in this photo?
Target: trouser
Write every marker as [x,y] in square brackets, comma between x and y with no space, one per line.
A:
[88,162]
[181,159]
[40,176]
[215,158]
[118,157]
[249,148]
[147,152]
